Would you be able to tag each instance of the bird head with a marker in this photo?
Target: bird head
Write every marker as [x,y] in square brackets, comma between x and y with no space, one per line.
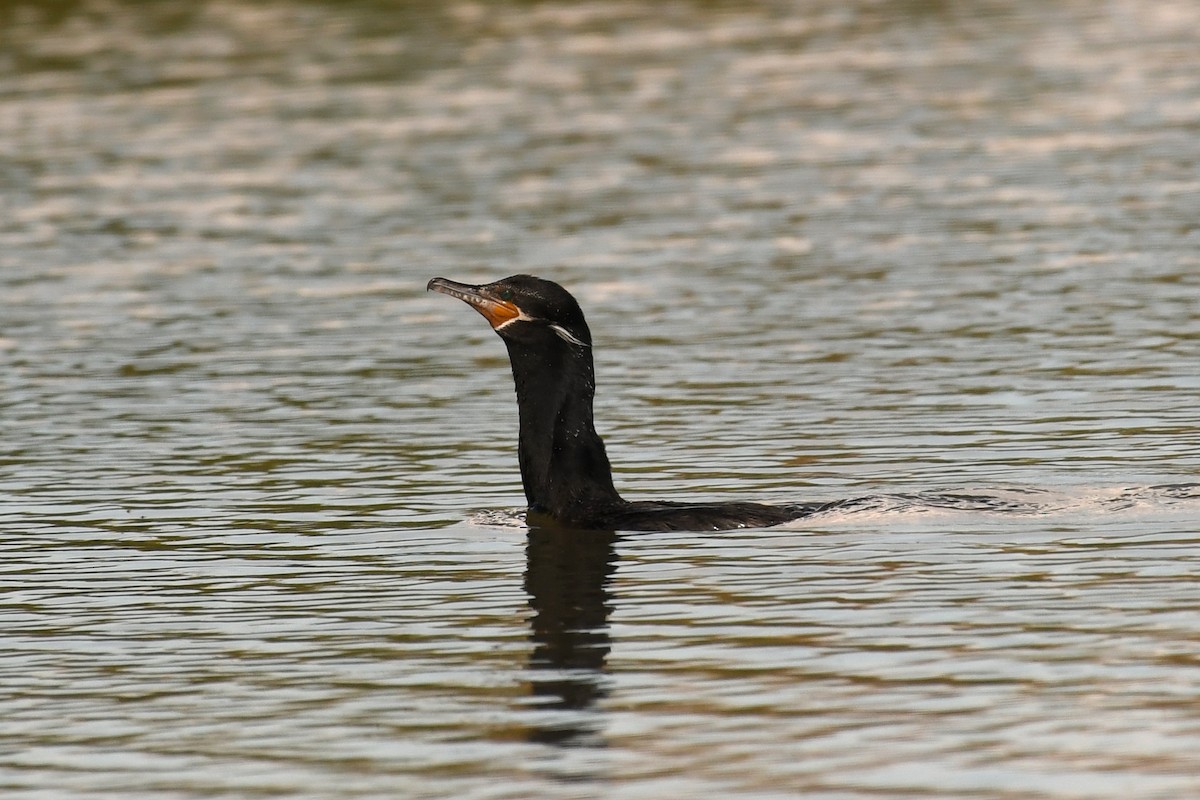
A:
[522,308]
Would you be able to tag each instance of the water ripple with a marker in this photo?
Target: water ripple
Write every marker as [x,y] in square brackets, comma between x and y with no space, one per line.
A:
[259,504]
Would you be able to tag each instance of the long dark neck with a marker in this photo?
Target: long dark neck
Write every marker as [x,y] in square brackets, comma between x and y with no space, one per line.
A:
[563,464]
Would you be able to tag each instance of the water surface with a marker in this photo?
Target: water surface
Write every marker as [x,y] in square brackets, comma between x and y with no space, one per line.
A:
[258,490]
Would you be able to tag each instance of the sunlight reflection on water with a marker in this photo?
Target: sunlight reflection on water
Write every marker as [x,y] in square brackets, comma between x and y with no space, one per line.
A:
[257,489]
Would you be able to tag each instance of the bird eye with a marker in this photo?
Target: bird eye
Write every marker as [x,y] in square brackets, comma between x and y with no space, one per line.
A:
[506,294]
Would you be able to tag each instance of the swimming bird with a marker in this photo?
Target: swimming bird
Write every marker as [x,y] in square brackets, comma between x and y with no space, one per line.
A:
[564,467]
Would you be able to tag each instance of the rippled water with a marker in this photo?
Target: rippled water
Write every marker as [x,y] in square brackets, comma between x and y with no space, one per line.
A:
[258,490]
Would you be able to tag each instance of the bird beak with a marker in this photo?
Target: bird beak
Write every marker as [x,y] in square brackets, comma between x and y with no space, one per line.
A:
[496,311]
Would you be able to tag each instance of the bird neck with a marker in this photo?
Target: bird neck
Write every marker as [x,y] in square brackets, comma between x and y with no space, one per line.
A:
[564,467]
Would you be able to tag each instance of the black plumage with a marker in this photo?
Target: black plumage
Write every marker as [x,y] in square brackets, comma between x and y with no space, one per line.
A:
[564,467]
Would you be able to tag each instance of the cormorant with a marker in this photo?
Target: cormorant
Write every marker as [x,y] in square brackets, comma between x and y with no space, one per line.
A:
[567,477]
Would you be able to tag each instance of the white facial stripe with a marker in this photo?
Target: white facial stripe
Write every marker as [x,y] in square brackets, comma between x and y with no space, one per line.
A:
[565,334]
[521,317]
[562,332]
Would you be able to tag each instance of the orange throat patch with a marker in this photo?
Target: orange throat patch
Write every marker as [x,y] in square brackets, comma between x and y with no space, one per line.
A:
[498,312]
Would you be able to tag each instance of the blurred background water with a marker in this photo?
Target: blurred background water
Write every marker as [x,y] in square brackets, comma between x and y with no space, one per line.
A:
[257,488]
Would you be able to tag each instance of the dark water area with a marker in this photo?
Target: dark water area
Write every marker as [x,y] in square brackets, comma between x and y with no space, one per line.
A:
[260,513]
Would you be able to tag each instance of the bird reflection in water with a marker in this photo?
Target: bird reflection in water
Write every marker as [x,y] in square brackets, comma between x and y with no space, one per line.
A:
[567,577]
